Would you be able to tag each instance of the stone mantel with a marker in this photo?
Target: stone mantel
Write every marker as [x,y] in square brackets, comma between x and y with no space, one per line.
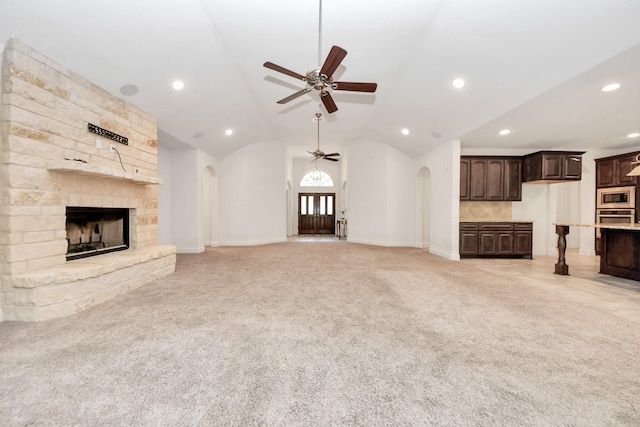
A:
[72,166]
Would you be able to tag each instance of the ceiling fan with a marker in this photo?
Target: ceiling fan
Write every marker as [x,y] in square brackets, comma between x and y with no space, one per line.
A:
[321,78]
[318,154]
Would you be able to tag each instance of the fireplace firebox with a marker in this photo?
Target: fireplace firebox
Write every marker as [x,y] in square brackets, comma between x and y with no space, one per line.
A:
[95,231]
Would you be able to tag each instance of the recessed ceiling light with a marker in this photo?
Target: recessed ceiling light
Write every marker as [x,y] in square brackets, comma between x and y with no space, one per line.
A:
[504,132]
[633,135]
[178,85]
[405,131]
[458,83]
[228,132]
[610,87]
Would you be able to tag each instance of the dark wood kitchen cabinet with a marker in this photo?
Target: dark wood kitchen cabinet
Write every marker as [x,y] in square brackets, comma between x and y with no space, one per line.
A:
[468,238]
[512,179]
[465,174]
[612,171]
[523,239]
[485,178]
[496,239]
[552,166]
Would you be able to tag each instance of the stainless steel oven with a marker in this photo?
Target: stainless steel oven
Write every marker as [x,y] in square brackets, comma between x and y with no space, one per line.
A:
[616,198]
[614,216]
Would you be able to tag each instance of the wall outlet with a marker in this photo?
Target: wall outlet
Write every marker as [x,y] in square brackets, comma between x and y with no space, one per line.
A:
[112,148]
[99,144]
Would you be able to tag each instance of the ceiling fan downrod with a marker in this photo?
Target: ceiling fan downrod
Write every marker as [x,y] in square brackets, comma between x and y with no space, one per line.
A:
[320,35]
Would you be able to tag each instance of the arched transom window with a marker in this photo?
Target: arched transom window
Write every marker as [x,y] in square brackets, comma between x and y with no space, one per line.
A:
[316,178]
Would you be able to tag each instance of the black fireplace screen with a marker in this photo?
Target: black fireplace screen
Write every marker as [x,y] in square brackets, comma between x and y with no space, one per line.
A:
[94,231]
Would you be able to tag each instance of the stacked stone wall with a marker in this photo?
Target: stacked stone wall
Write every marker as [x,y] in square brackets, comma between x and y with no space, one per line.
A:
[49,160]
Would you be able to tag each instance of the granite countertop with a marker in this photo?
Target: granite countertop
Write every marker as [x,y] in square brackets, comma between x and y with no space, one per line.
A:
[630,227]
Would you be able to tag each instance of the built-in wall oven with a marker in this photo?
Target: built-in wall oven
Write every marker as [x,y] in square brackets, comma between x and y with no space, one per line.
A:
[614,216]
[615,205]
[616,198]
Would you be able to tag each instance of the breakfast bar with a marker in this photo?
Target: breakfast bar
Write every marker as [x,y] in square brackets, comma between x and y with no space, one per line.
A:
[619,249]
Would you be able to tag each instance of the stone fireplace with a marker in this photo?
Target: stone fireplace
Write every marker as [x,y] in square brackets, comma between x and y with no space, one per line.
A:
[65,196]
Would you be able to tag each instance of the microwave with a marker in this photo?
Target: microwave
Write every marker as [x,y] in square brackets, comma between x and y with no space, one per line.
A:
[616,198]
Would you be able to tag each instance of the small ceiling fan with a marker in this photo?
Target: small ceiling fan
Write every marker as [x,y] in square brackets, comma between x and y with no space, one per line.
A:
[319,154]
[321,78]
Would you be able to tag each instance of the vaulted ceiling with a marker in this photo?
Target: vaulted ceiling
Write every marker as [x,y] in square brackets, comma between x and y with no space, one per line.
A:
[534,67]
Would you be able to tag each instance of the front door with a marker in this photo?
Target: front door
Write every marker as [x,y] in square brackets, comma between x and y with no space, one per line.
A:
[316,213]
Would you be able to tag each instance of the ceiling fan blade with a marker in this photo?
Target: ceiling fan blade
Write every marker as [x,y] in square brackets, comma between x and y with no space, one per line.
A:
[328,102]
[294,96]
[283,70]
[356,87]
[335,57]
[329,158]
[332,154]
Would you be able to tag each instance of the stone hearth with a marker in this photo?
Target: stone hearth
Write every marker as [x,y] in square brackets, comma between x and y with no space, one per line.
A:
[50,161]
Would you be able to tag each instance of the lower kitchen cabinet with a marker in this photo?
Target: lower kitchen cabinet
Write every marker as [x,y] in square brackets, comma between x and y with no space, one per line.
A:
[496,239]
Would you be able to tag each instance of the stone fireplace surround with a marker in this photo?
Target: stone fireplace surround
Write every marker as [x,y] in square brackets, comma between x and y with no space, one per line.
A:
[48,161]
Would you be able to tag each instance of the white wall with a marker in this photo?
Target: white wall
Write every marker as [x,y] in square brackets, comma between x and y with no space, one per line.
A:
[423,208]
[401,199]
[444,165]
[381,195]
[209,201]
[183,207]
[539,204]
[1,247]
[164,196]
[186,195]
[252,183]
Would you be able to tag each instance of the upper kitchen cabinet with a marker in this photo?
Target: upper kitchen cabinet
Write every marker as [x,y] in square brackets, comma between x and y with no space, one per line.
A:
[484,178]
[612,171]
[552,166]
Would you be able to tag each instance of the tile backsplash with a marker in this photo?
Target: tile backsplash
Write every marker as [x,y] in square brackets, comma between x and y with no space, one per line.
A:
[485,211]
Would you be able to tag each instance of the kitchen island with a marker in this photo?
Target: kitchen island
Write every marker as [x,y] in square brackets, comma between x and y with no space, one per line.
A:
[619,250]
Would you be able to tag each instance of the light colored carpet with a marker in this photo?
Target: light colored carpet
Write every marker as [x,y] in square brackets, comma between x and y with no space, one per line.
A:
[325,334]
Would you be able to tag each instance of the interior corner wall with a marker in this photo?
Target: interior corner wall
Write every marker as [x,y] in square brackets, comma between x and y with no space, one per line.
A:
[539,205]
[183,214]
[380,195]
[444,164]
[252,189]
[164,196]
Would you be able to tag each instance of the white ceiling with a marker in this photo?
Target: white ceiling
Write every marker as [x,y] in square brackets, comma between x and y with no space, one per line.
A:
[535,67]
